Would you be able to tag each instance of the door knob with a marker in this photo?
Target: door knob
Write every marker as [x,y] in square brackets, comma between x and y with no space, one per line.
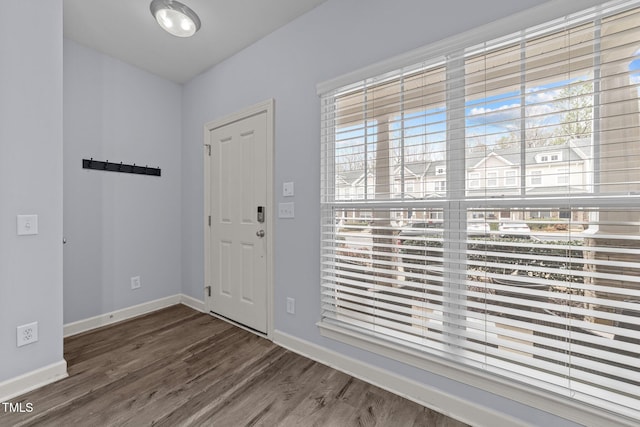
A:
[260,233]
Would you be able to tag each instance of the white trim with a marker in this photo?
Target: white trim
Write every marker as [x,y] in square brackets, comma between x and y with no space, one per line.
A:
[40,377]
[525,19]
[267,107]
[191,302]
[24,383]
[531,396]
[423,394]
[120,315]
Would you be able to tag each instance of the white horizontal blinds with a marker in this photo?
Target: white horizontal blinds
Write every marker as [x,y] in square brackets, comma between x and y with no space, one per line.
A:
[556,113]
[530,115]
[486,208]
[389,128]
[379,281]
[619,113]
[560,297]
[559,303]
[555,116]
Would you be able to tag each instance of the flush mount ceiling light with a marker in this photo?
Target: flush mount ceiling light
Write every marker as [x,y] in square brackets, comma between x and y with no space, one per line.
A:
[175,17]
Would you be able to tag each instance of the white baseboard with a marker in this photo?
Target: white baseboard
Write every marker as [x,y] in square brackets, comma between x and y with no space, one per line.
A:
[433,398]
[22,384]
[196,304]
[130,312]
[40,377]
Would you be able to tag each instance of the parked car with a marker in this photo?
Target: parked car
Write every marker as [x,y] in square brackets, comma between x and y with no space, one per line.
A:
[431,228]
[514,229]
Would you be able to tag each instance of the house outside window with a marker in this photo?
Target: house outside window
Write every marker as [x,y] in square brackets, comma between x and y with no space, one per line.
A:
[547,298]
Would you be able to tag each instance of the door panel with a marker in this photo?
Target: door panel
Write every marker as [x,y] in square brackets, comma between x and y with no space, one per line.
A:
[247,273]
[225,269]
[238,186]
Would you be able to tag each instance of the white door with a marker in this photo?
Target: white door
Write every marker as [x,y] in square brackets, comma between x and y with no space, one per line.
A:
[238,186]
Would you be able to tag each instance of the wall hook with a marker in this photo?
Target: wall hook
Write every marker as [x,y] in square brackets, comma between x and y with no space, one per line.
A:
[120,167]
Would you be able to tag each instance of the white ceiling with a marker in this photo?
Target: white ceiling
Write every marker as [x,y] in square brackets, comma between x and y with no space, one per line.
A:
[125,29]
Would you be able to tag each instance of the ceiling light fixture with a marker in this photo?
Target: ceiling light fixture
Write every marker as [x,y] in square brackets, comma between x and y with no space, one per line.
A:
[175,18]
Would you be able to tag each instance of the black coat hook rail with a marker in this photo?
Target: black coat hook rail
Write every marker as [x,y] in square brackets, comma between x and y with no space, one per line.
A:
[119,167]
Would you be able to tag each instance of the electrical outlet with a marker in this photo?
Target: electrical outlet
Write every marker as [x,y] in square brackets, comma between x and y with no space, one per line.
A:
[291,306]
[27,334]
[135,282]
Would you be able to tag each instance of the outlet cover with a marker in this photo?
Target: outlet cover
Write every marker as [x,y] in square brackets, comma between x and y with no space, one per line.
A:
[135,282]
[27,334]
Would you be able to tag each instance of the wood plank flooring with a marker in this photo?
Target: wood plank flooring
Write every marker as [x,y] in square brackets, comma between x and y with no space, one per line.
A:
[178,367]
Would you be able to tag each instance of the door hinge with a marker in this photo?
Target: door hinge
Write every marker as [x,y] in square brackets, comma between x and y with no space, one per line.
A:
[209,220]
[208,149]
[208,288]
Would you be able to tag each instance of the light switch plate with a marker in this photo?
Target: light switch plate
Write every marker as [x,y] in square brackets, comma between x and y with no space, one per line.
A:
[27,225]
[286,210]
[287,189]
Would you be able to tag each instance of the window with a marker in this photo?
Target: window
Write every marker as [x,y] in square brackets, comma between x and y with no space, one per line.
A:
[562,176]
[536,178]
[547,157]
[441,170]
[474,180]
[548,294]
[409,187]
[492,179]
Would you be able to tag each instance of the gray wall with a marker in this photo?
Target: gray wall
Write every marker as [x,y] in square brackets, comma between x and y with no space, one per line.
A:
[119,225]
[338,37]
[30,182]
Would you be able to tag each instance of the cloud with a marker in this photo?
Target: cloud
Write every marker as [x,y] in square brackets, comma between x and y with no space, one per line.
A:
[505,117]
[501,109]
[535,96]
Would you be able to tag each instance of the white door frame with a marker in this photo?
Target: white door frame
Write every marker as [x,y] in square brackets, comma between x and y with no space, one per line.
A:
[267,107]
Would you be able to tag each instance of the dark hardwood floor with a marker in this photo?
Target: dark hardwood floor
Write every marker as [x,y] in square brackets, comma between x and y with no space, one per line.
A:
[178,367]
